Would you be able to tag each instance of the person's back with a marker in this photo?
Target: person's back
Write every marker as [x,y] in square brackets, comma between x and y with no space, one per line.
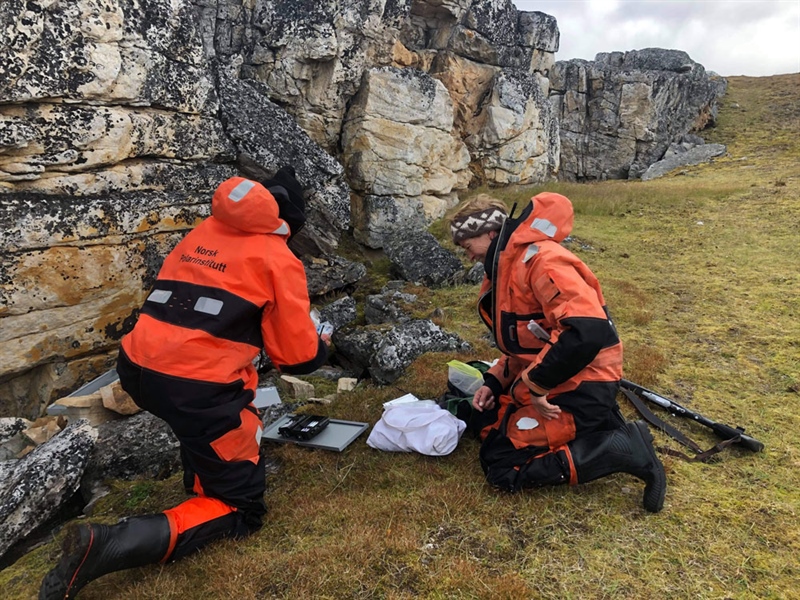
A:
[231,287]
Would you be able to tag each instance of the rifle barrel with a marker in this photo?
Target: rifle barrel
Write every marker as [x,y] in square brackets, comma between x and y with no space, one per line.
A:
[723,431]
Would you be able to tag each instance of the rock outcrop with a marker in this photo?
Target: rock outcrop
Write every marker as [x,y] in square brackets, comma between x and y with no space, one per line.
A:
[399,145]
[36,485]
[620,113]
[117,122]
[118,119]
[683,155]
[384,352]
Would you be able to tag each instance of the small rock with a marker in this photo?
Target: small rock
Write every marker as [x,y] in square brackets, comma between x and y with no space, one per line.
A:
[44,429]
[324,400]
[83,407]
[295,388]
[118,400]
[346,384]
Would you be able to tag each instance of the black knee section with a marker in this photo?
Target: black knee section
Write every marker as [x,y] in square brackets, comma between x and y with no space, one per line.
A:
[550,469]
[512,469]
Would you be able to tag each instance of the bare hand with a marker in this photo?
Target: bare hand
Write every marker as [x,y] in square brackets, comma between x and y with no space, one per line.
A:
[326,337]
[547,410]
[483,399]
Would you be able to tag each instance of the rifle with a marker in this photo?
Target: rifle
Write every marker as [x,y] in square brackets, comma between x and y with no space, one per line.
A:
[724,431]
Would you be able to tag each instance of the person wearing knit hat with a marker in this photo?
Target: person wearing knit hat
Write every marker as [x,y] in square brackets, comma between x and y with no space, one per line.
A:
[547,411]
[288,194]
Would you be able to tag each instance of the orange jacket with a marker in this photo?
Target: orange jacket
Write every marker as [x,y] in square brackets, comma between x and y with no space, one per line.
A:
[536,279]
[229,288]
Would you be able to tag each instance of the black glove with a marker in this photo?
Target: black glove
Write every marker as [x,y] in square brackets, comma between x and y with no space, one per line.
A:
[291,205]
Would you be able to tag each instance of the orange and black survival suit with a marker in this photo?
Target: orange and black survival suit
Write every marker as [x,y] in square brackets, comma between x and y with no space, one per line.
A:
[534,284]
[230,288]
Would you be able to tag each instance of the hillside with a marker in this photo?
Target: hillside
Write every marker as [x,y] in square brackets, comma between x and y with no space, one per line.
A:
[700,271]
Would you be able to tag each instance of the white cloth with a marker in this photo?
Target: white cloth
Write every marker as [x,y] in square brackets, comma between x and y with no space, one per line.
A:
[422,427]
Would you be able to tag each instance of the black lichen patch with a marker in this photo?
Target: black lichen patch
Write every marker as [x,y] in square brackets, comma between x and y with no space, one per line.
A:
[115,331]
[152,259]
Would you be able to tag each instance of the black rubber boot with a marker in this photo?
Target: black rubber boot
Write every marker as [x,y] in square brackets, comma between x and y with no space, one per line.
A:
[628,449]
[90,551]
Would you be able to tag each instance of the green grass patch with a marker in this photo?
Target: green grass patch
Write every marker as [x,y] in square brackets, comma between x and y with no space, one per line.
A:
[700,270]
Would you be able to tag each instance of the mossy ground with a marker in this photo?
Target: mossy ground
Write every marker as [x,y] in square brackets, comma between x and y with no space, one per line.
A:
[700,269]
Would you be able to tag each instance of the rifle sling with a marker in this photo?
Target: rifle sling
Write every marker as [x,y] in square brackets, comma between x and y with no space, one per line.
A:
[655,421]
[702,456]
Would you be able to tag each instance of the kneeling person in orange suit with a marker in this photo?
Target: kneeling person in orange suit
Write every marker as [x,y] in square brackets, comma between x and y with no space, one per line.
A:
[230,288]
[548,410]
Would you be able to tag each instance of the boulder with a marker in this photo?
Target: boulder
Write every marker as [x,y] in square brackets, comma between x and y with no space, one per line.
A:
[385,352]
[408,341]
[620,113]
[475,274]
[386,307]
[379,217]
[139,446]
[331,273]
[356,347]
[418,257]
[35,487]
[691,156]
[339,313]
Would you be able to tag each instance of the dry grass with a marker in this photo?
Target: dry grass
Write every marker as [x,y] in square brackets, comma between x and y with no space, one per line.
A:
[701,272]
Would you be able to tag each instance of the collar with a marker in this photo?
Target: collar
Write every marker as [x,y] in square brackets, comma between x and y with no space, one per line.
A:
[501,241]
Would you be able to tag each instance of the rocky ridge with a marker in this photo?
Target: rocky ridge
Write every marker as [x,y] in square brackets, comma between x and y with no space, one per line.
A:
[118,118]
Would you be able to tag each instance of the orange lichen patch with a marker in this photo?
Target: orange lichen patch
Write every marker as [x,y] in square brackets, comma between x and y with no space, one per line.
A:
[66,275]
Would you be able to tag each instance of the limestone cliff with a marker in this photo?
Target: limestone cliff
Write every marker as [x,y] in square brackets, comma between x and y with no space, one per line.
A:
[118,118]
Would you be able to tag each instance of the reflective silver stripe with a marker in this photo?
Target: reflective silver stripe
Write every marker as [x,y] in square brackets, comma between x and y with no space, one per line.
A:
[545,226]
[532,251]
[210,306]
[240,191]
[283,229]
[159,296]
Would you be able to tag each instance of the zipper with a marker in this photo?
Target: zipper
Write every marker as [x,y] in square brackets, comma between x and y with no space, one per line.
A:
[495,273]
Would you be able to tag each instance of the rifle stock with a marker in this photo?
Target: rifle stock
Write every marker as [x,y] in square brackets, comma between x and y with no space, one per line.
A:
[723,431]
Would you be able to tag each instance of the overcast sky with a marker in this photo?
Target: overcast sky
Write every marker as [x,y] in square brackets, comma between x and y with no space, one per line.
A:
[729,37]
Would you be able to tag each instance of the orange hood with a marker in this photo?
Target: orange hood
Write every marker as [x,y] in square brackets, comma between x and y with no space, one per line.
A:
[248,206]
[550,219]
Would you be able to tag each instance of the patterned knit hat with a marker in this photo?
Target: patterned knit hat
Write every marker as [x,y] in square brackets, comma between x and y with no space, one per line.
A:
[477,223]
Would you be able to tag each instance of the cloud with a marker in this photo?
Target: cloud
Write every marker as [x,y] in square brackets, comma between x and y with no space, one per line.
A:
[729,37]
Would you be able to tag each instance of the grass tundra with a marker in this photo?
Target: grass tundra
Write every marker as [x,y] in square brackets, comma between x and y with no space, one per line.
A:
[701,272]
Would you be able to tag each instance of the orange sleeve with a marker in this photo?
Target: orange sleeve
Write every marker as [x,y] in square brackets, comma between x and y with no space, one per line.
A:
[290,338]
[570,299]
